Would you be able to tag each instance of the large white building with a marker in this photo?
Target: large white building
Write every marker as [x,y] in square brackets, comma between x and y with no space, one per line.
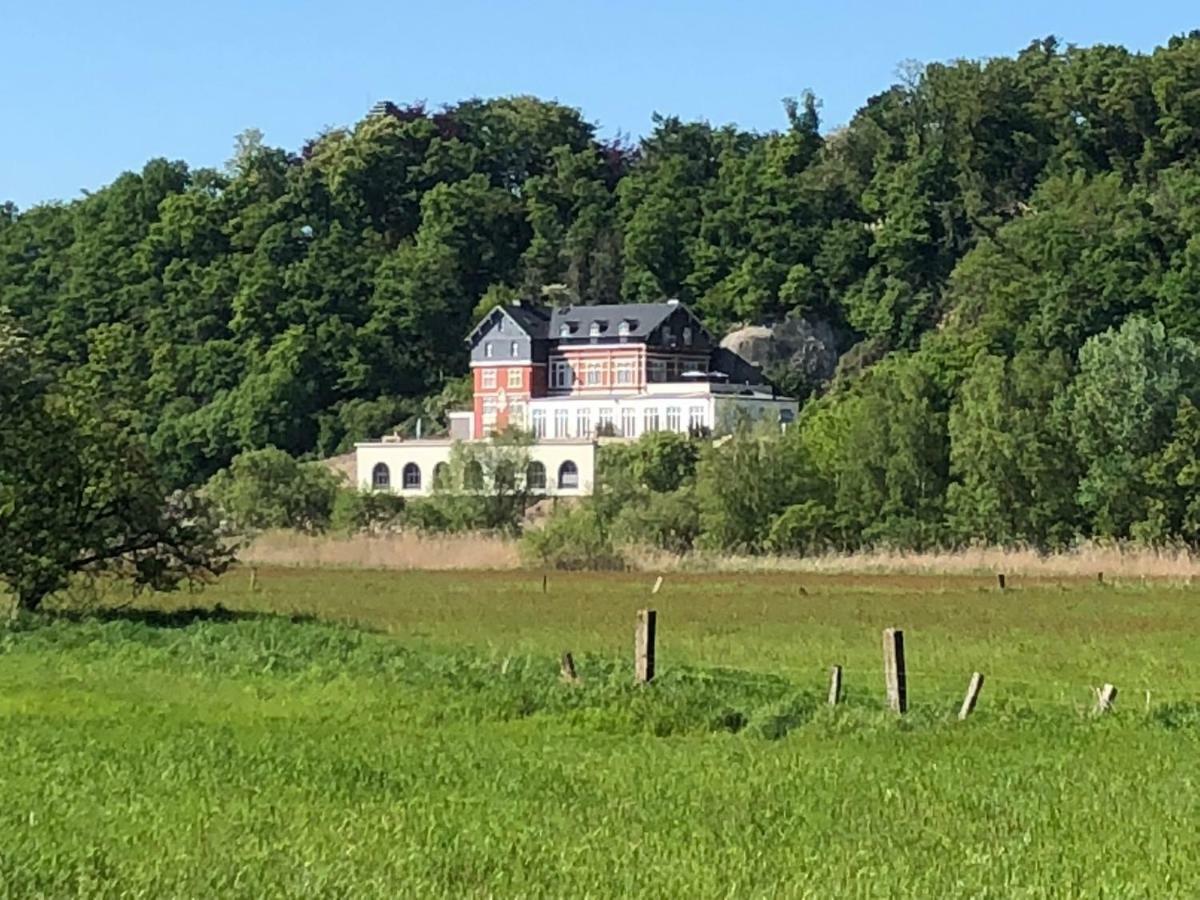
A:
[576,375]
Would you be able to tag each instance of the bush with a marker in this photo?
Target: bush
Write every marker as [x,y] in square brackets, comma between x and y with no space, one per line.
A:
[801,528]
[366,511]
[269,489]
[572,538]
[668,522]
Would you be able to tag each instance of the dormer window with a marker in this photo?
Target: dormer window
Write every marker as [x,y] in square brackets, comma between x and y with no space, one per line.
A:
[594,330]
[623,328]
[687,335]
[564,330]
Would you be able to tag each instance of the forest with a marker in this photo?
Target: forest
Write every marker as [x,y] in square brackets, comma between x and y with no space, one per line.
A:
[1008,249]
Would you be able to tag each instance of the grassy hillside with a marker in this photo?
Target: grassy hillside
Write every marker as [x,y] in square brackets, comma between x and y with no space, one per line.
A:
[158,753]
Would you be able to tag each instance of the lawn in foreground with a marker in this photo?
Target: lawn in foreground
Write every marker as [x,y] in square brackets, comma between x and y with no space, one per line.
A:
[253,755]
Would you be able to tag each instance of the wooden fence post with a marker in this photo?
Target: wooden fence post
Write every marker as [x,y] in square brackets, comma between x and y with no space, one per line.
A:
[568,667]
[1000,580]
[835,685]
[545,583]
[969,701]
[1105,699]
[893,670]
[658,583]
[643,646]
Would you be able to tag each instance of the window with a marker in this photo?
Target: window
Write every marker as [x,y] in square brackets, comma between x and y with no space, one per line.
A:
[561,423]
[381,477]
[623,329]
[473,476]
[568,476]
[625,371]
[489,411]
[564,330]
[539,423]
[488,379]
[535,477]
[628,422]
[561,374]
[695,418]
[674,418]
[594,330]
[411,477]
[439,475]
[650,419]
[514,350]
[604,425]
[687,335]
[488,349]
[500,324]
[516,378]
[658,370]
[583,422]
[593,373]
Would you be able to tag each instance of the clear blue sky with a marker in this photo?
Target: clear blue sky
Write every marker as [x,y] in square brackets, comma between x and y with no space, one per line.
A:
[94,88]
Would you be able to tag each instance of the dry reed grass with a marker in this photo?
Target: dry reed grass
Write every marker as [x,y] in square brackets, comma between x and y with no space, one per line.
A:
[383,551]
[1085,561]
[478,551]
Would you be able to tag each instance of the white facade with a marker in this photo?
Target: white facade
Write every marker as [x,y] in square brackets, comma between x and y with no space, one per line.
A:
[677,407]
[568,468]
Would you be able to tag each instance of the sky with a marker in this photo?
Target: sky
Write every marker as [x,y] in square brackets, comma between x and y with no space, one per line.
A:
[92,89]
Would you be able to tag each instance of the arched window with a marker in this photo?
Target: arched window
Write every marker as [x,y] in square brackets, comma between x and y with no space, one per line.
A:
[568,475]
[412,477]
[439,475]
[381,477]
[535,477]
[473,476]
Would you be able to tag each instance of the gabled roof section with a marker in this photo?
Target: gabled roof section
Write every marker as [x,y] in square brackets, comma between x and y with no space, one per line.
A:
[530,319]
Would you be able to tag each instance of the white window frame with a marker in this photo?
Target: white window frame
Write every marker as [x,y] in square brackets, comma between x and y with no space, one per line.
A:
[623,329]
[625,371]
[562,374]
[674,418]
[562,423]
[538,423]
[517,382]
[628,422]
[650,419]
[604,418]
[514,350]
[593,373]
[488,349]
[488,379]
[696,417]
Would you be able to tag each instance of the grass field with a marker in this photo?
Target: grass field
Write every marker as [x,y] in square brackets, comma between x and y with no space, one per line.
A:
[366,733]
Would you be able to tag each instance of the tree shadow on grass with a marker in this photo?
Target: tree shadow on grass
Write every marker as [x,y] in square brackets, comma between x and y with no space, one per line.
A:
[173,618]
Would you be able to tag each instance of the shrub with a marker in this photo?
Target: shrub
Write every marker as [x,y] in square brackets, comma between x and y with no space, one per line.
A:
[572,538]
[668,522]
[268,488]
[366,510]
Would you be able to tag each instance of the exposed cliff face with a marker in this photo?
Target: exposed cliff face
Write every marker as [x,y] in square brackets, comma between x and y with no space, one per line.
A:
[799,355]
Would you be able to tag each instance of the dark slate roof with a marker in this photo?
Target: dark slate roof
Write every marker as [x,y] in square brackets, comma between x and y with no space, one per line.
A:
[546,322]
[533,319]
[643,318]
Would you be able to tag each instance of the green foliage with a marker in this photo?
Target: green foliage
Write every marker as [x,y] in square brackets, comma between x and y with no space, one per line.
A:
[370,511]
[267,488]
[574,537]
[80,495]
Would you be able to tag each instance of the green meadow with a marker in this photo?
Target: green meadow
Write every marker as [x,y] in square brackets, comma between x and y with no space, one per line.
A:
[378,734]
